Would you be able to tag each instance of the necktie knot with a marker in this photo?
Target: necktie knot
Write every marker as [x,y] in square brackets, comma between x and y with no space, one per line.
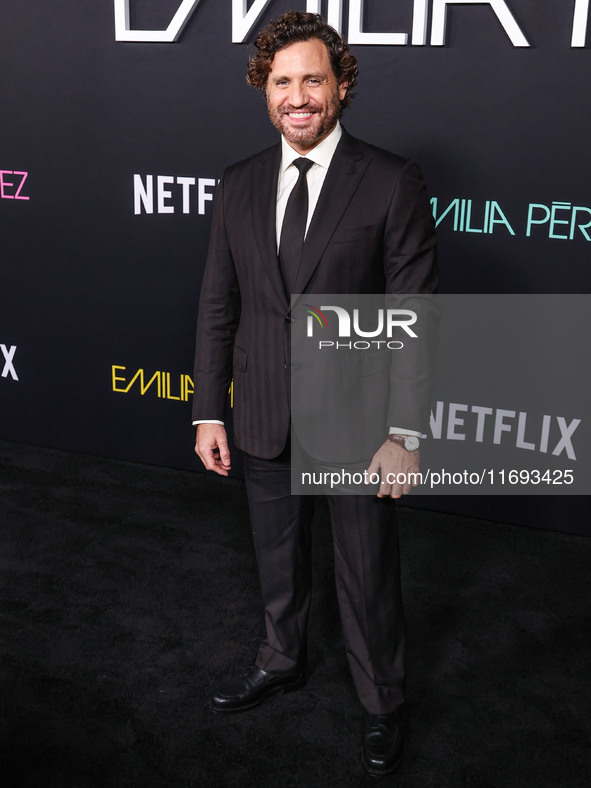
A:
[302,165]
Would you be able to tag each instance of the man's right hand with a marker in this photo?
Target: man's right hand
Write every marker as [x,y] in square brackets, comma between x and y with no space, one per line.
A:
[212,447]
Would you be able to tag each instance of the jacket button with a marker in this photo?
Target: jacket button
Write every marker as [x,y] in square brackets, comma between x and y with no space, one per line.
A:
[289,318]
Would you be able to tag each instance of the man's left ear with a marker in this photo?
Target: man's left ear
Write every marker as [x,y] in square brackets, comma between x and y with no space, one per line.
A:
[343,90]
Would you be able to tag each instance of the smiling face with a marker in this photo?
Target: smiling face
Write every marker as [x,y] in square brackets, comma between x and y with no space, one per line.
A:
[303,97]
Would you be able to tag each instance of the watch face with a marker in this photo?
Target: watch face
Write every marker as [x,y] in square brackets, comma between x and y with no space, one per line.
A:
[411,443]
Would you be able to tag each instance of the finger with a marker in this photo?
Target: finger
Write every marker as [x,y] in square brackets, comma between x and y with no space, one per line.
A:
[217,466]
[374,467]
[224,452]
[207,456]
[220,465]
[385,489]
[200,454]
[396,491]
[403,489]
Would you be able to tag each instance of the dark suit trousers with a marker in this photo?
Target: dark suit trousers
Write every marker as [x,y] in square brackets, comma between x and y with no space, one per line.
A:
[367,570]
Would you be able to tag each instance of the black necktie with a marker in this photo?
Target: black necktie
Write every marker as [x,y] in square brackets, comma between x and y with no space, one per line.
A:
[294,226]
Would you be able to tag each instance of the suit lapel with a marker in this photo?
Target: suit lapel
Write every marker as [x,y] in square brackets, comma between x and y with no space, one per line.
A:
[344,174]
[264,200]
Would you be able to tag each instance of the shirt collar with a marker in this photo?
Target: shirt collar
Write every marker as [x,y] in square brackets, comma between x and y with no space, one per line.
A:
[322,154]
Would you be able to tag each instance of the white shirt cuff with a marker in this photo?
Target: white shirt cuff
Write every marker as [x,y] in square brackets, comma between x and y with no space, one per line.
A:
[396,431]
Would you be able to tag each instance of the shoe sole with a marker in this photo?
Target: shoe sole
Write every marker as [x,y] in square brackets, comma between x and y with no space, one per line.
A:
[380,772]
[298,684]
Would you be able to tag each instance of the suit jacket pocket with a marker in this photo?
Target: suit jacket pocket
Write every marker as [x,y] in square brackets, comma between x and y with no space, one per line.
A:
[240,359]
[362,363]
[349,234]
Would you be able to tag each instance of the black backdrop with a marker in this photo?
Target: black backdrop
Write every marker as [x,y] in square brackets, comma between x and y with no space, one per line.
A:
[110,151]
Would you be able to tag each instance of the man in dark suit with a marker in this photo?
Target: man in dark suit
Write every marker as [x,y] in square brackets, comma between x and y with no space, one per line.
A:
[321,212]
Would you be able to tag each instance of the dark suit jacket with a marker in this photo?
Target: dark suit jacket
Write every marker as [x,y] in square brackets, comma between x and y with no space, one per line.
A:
[372,232]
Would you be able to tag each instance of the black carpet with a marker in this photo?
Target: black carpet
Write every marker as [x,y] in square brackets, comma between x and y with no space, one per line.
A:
[128,590]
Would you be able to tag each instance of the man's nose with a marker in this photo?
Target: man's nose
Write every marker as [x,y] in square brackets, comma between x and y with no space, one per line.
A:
[298,96]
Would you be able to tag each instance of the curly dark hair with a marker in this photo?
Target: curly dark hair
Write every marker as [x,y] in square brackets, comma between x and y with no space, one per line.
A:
[294,26]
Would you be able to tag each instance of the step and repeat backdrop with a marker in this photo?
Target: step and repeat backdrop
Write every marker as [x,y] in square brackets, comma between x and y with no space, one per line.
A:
[117,120]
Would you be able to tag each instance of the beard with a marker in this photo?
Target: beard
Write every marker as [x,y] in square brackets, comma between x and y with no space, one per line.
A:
[322,122]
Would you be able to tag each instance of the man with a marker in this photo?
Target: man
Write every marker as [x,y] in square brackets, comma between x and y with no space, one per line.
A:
[321,212]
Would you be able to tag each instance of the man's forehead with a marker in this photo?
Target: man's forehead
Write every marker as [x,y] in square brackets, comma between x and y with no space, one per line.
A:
[302,56]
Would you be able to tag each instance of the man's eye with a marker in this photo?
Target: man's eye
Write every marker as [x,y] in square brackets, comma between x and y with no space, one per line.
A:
[314,82]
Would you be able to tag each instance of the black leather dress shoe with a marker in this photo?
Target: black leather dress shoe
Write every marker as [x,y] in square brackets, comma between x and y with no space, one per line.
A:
[253,687]
[383,742]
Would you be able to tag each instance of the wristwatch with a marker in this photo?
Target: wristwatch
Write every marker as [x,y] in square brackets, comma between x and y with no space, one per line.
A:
[410,442]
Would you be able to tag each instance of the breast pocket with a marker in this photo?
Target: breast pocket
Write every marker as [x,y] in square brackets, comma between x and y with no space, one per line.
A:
[350,234]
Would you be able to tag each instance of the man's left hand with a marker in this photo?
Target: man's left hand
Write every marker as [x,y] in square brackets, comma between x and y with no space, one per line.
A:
[398,469]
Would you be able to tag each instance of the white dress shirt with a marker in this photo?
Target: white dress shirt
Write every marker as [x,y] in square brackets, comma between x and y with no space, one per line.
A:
[321,155]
